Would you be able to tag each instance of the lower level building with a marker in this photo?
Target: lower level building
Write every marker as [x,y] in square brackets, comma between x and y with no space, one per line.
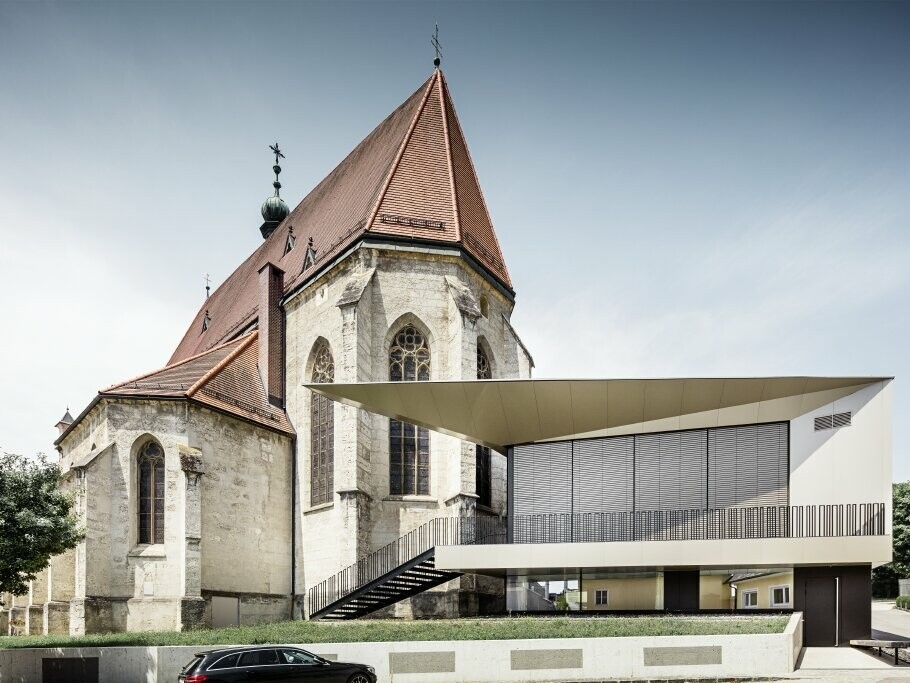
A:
[653,495]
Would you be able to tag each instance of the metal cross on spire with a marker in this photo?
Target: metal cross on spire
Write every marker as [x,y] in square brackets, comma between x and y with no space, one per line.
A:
[276,168]
[208,285]
[277,152]
[434,41]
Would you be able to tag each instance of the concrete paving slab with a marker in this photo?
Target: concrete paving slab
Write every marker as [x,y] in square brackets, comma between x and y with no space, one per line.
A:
[828,658]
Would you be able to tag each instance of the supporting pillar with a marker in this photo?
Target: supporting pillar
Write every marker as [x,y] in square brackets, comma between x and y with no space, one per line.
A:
[192,605]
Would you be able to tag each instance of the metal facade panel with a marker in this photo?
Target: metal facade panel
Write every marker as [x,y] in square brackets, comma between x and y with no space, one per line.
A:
[748,465]
[670,471]
[602,471]
[542,479]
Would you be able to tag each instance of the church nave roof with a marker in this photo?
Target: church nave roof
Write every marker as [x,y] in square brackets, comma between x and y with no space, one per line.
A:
[411,177]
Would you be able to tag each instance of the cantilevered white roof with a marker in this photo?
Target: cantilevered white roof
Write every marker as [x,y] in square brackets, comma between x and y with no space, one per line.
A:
[499,413]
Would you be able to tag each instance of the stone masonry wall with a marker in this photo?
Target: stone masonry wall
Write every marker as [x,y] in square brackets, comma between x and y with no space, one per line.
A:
[357,307]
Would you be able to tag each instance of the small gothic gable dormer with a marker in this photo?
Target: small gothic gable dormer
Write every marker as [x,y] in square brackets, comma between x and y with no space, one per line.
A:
[206,319]
[289,244]
[310,257]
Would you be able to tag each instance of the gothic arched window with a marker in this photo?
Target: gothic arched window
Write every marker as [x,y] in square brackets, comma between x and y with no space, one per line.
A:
[409,446]
[322,428]
[151,493]
[482,465]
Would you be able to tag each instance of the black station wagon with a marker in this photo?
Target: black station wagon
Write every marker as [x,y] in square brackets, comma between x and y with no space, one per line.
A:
[275,664]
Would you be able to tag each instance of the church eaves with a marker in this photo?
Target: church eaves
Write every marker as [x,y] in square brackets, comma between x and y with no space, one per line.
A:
[225,378]
[411,178]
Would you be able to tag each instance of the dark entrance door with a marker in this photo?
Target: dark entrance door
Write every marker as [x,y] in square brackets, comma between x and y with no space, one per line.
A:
[820,615]
[681,591]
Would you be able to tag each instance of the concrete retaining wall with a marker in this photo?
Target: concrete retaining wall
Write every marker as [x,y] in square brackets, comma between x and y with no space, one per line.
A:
[488,661]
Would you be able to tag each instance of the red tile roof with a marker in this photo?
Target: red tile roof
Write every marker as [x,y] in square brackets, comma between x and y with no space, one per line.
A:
[411,177]
[225,377]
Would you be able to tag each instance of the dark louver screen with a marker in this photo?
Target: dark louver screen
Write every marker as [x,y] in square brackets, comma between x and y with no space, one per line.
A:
[542,479]
[688,470]
[747,466]
[602,475]
[670,471]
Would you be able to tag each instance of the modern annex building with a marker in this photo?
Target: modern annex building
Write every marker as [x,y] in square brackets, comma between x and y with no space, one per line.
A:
[348,427]
[664,494]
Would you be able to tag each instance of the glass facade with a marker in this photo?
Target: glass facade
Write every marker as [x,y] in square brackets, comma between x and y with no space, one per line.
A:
[609,590]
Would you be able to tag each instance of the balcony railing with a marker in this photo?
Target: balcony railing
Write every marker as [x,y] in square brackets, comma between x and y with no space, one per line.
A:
[794,521]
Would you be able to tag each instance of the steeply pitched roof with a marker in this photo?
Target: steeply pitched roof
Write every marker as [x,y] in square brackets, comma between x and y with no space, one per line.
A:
[225,377]
[411,177]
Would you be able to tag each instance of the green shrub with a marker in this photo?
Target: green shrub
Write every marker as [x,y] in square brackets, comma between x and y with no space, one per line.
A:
[903,602]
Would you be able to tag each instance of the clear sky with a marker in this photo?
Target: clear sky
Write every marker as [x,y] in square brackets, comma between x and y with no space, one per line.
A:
[679,188]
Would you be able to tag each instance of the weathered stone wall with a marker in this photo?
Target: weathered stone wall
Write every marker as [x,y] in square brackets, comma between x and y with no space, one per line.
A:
[357,307]
[240,505]
[245,505]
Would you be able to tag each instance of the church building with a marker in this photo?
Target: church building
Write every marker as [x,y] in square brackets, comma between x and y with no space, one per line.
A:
[217,489]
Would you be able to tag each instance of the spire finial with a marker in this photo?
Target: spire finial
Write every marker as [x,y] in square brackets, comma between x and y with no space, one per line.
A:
[274,210]
[208,282]
[276,168]
[434,41]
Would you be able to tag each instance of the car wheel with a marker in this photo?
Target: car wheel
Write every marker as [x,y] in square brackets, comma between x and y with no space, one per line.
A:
[359,678]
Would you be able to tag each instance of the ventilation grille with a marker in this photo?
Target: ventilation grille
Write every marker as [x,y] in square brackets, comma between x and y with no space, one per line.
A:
[833,421]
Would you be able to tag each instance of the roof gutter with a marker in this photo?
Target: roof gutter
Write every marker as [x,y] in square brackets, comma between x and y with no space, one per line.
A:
[368,239]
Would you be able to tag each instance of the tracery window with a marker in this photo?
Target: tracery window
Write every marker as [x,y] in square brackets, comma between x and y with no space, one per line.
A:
[322,429]
[151,493]
[482,461]
[409,446]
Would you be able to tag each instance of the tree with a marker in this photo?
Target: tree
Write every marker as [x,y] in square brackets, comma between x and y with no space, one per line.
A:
[36,520]
[884,578]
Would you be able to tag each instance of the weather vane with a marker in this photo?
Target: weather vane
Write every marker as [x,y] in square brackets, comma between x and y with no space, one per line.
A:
[276,168]
[434,41]
[208,284]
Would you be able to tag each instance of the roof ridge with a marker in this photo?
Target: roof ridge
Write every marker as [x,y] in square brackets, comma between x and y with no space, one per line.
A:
[371,216]
[445,133]
[227,360]
[483,199]
[133,380]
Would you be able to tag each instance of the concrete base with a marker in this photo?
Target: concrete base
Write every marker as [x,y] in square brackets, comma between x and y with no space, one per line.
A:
[491,661]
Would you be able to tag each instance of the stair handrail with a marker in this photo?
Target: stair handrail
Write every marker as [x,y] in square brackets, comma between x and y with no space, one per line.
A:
[370,567]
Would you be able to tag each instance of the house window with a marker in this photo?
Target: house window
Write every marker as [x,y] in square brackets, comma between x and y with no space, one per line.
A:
[151,493]
[482,465]
[322,428]
[780,596]
[750,598]
[409,446]
[601,598]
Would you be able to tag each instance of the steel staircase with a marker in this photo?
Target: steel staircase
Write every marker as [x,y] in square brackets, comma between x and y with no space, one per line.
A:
[403,568]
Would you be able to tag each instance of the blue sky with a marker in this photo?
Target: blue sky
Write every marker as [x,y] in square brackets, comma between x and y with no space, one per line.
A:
[679,188]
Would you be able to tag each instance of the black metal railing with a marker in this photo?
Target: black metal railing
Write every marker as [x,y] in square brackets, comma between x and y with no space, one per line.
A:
[481,530]
[794,521]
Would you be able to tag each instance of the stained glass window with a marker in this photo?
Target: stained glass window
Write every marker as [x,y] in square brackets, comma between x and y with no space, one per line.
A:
[409,446]
[151,493]
[322,429]
[482,464]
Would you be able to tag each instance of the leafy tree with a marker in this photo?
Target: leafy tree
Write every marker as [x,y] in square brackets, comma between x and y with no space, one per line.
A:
[884,578]
[36,520]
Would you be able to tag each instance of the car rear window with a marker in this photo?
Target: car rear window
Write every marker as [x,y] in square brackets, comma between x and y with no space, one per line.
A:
[193,663]
[227,662]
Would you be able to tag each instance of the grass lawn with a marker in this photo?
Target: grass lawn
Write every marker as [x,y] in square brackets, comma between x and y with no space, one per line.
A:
[303,632]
